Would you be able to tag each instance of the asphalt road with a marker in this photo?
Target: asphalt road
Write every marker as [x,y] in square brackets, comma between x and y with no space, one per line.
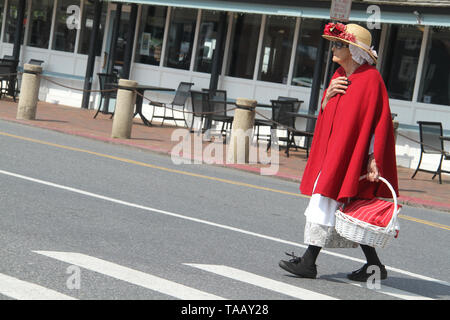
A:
[85,219]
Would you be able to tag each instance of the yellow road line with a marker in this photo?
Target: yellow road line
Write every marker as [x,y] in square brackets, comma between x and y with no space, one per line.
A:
[143,164]
[139,163]
[433,224]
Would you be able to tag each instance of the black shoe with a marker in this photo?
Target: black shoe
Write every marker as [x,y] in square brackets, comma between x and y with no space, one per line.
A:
[298,268]
[362,275]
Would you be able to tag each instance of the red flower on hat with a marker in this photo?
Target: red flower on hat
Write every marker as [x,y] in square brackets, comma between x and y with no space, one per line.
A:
[338,30]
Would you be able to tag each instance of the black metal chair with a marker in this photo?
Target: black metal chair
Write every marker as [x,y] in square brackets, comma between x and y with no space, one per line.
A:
[280,114]
[217,103]
[106,80]
[199,106]
[263,123]
[431,142]
[269,123]
[181,96]
[9,84]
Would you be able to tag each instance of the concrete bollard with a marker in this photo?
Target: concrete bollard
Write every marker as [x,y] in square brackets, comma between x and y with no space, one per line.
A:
[123,114]
[395,124]
[29,92]
[241,134]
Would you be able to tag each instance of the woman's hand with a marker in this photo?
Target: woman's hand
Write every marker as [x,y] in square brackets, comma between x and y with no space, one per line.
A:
[338,85]
[372,170]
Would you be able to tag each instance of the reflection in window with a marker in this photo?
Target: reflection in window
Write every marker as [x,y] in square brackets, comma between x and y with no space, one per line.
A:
[64,38]
[435,84]
[207,40]
[244,44]
[40,23]
[86,28]
[306,53]
[11,20]
[151,34]
[276,49]
[181,38]
[400,64]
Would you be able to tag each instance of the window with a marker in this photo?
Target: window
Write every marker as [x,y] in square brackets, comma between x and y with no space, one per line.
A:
[40,23]
[181,38]
[276,49]
[207,40]
[306,53]
[86,28]
[244,44]
[151,34]
[400,64]
[11,20]
[435,84]
[64,38]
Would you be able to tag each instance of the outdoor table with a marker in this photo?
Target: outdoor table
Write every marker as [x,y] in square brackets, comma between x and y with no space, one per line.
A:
[264,105]
[302,115]
[258,105]
[139,98]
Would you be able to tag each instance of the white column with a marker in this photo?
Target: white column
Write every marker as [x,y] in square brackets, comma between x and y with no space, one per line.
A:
[383,38]
[4,20]
[136,35]
[166,35]
[77,37]
[260,43]
[294,51]
[195,44]
[52,29]
[423,48]
[227,44]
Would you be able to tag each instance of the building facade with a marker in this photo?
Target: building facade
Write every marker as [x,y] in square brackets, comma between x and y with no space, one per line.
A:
[267,50]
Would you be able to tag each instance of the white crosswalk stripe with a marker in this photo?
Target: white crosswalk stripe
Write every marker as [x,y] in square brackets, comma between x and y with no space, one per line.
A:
[394,292]
[130,275]
[262,282]
[23,290]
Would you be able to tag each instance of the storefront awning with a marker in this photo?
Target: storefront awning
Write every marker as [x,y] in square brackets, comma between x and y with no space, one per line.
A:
[406,17]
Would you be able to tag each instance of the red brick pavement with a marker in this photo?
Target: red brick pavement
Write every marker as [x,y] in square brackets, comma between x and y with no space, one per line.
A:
[422,191]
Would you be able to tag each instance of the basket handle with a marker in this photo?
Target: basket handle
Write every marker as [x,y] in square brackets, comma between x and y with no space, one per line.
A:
[394,195]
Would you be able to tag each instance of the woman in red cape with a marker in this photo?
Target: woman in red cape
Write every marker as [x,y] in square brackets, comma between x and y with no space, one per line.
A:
[353,137]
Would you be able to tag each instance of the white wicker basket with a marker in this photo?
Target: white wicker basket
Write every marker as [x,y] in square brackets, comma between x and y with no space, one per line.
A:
[365,233]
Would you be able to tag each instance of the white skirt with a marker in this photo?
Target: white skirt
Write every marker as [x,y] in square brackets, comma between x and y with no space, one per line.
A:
[321,210]
[320,222]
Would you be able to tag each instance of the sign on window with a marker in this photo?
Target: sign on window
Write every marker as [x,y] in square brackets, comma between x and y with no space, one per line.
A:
[340,10]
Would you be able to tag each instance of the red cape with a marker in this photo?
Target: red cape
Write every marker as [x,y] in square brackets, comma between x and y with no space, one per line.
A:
[339,150]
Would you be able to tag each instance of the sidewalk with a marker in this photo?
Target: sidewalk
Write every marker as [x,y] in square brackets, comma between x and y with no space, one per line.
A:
[420,192]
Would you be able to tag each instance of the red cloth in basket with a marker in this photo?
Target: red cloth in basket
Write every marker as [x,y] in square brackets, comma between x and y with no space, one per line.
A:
[376,212]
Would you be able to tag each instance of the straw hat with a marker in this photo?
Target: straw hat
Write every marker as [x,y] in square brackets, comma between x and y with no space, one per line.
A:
[352,34]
